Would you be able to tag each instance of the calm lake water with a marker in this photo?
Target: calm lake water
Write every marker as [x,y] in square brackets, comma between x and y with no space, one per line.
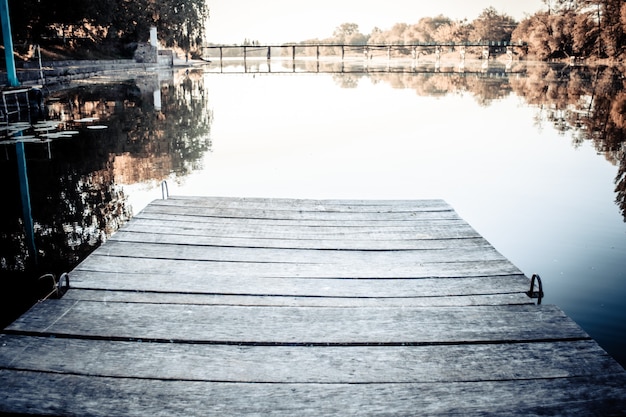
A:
[532,156]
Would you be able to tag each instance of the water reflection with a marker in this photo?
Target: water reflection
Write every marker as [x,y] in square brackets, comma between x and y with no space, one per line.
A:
[363,67]
[375,135]
[588,101]
[95,139]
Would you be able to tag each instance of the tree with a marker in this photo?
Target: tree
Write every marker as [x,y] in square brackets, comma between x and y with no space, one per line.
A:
[576,27]
[395,35]
[606,16]
[493,26]
[453,32]
[584,36]
[559,6]
[377,36]
[180,23]
[348,34]
[549,35]
[426,28]
[612,32]
[345,29]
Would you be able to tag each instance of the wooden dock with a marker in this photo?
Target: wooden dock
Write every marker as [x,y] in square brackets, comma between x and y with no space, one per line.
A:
[237,306]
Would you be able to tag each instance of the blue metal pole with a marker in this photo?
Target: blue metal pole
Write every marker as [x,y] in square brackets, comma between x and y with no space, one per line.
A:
[8,43]
[25,192]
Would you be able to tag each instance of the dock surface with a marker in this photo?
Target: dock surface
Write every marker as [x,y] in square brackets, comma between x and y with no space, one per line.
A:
[237,306]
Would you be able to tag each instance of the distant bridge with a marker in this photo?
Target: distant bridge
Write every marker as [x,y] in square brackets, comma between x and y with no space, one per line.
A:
[367,50]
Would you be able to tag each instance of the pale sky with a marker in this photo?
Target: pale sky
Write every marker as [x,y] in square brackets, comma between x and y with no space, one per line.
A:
[278,21]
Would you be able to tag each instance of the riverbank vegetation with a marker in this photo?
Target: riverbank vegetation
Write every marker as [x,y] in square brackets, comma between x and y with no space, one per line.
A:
[566,29]
[105,28]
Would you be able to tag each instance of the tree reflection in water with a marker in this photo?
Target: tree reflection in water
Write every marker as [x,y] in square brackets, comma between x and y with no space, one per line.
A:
[590,101]
[76,183]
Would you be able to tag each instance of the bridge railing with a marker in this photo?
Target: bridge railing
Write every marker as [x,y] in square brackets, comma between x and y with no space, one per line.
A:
[370,45]
[367,50]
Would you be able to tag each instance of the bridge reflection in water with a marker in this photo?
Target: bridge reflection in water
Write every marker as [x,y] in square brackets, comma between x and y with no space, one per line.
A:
[334,66]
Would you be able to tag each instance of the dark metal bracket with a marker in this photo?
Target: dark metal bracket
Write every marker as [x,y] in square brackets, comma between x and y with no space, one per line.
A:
[535,294]
[165,192]
[59,287]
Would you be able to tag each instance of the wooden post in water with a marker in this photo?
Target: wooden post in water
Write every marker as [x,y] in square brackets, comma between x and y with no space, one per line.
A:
[245,56]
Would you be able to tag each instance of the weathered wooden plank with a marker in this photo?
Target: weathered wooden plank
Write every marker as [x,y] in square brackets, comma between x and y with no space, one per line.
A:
[135,296]
[319,287]
[299,202]
[299,325]
[185,233]
[260,203]
[175,236]
[372,259]
[315,364]
[317,215]
[345,226]
[61,394]
[176,268]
